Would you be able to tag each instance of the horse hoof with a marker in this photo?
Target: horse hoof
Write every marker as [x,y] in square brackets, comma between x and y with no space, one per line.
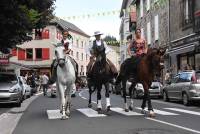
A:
[126,110]
[130,108]
[90,105]
[64,117]
[99,110]
[108,111]
[67,113]
[143,111]
[151,114]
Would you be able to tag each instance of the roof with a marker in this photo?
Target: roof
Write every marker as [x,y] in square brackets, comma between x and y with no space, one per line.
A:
[68,26]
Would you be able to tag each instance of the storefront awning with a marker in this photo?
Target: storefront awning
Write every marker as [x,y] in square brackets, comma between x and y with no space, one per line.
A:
[182,49]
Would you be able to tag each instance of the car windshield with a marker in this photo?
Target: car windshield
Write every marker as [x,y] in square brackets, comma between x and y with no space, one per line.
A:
[185,77]
[155,84]
[8,78]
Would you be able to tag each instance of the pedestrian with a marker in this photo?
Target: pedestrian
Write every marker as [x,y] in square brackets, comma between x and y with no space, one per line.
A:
[45,80]
[167,77]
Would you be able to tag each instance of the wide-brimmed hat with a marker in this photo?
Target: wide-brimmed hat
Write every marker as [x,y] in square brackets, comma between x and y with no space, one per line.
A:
[97,33]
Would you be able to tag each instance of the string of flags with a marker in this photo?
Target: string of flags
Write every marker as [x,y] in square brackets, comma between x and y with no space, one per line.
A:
[158,3]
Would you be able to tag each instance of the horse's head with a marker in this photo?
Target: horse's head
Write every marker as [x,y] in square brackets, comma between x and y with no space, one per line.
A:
[101,57]
[60,55]
[155,55]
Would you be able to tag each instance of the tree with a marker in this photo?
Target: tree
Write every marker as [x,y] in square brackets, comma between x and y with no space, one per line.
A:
[19,17]
[112,41]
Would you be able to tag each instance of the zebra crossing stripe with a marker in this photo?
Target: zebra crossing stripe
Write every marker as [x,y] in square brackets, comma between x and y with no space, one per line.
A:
[90,112]
[159,112]
[121,111]
[183,111]
[54,114]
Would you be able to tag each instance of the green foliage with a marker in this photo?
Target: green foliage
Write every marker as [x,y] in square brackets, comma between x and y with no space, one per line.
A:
[19,17]
[111,40]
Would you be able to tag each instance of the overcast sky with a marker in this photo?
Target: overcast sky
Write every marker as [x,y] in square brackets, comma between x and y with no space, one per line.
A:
[108,24]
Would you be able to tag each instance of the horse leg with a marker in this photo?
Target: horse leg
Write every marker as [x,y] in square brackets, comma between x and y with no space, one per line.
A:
[107,98]
[68,99]
[90,96]
[62,99]
[124,95]
[99,106]
[131,95]
[150,108]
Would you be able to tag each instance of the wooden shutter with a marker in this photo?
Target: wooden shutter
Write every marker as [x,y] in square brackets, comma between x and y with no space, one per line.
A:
[45,53]
[14,52]
[21,54]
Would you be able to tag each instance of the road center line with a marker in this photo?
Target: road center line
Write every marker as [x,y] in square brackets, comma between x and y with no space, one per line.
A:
[174,125]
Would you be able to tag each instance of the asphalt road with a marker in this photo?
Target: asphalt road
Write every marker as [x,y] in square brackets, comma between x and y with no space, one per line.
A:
[171,118]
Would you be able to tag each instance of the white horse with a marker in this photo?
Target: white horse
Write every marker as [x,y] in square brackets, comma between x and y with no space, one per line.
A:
[65,80]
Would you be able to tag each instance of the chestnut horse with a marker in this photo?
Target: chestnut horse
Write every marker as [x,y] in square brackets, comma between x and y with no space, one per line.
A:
[141,70]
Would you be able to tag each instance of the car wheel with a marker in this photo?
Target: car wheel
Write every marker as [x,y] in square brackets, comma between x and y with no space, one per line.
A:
[165,96]
[185,98]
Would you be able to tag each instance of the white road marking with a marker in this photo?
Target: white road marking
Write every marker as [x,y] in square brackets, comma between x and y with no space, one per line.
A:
[90,112]
[54,114]
[174,125]
[159,111]
[121,111]
[183,111]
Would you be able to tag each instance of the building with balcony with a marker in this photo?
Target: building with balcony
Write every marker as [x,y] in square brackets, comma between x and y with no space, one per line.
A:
[38,53]
[185,34]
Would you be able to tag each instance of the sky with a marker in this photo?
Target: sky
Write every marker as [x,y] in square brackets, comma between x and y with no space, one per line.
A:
[108,24]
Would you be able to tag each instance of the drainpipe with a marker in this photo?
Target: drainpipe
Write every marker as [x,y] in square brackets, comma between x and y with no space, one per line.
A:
[169,34]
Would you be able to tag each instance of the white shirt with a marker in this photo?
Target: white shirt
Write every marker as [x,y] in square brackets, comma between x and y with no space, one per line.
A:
[88,49]
[45,79]
[70,43]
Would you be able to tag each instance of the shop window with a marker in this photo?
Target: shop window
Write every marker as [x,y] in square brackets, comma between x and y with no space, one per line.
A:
[197,61]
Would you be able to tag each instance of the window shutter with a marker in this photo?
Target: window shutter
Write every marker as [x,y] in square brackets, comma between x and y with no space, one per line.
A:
[148,5]
[21,54]
[156,27]
[45,53]
[47,34]
[14,52]
[141,8]
[148,33]
[43,34]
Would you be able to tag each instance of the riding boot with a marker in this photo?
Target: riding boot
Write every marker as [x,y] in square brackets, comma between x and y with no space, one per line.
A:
[75,65]
[89,67]
[53,72]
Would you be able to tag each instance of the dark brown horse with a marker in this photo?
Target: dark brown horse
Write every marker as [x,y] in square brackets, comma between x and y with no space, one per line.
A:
[100,75]
[142,70]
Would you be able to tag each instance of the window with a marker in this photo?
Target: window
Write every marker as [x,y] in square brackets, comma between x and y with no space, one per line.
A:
[38,52]
[77,55]
[81,44]
[156,27]
[148,33]
[187,12]
[72,53]
[148,5]
[142,32]
[82,56]
[77,43]
[185,77]
[29,53]
[141,8]
[86,57]
[38,34]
